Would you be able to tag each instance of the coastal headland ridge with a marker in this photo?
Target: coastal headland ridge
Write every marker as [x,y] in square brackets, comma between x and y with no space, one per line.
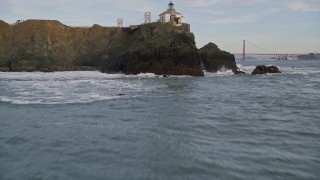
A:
[160,48]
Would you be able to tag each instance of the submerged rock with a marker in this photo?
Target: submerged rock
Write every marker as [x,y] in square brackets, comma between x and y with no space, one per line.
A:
[262,69]
[120,94]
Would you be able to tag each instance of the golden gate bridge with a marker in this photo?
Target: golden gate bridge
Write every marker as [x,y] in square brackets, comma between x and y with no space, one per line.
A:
[265,52]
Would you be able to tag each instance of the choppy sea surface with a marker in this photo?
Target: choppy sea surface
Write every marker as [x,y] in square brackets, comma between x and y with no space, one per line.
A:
[75,125]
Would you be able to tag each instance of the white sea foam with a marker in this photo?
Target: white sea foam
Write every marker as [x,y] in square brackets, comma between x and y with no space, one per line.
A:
[219,73]
[70,87]
[48,100]
[147,75]
[227,72]
[85,87]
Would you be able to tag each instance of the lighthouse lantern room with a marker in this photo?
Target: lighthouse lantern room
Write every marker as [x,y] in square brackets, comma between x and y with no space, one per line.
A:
[171,15]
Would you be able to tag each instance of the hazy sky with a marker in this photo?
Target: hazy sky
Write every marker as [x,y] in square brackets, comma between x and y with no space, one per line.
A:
[281,26]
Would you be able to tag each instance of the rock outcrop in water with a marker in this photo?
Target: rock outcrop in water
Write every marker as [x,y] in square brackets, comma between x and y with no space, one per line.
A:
[262,69]
[160,48]
[155,48]
[215,59]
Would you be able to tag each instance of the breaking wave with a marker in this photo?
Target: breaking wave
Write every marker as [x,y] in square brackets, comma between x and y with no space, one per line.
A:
[91,86]
[70,87]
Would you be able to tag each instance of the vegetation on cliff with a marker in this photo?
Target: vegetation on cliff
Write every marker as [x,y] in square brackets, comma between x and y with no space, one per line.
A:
[160,48]
[45,45]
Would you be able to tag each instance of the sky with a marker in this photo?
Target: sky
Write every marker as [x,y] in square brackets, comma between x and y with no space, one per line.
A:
[277,26]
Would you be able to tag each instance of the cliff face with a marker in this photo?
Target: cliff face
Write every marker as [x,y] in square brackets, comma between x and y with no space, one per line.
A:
[156,48]
[38,45]
[45,45]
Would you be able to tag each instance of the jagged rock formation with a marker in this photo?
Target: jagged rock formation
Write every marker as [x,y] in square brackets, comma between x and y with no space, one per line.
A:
[160,48]
[262,69]
[215,59]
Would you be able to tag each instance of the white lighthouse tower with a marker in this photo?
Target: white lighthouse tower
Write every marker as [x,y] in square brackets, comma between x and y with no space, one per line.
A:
[171,15]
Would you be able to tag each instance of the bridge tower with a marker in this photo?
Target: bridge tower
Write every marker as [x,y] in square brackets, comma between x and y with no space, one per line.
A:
[244,50]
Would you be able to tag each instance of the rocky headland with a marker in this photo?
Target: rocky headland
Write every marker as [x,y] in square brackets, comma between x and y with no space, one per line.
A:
[160,48]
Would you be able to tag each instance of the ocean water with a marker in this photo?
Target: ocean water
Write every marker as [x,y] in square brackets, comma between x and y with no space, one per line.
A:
[74,125]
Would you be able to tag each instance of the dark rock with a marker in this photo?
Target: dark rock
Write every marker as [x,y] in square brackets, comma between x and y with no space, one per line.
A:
[239,72]
[120,94]
[165,75]
[155,48]
[262,69]
[214,59]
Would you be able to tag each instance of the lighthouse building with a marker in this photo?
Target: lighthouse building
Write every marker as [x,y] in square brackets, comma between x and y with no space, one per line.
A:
[171,15]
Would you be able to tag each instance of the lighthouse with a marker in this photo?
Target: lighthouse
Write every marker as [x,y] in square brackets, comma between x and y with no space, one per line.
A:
[171,15]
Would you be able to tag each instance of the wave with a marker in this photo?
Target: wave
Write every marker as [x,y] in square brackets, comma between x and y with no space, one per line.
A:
[52,100]
[71,87]
[91,86]
[218,73]
[67,75]
[223,71]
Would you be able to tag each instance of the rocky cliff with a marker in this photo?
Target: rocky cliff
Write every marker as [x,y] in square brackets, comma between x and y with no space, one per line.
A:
[43,45]
[214,59]
[156,48]
[160,48]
